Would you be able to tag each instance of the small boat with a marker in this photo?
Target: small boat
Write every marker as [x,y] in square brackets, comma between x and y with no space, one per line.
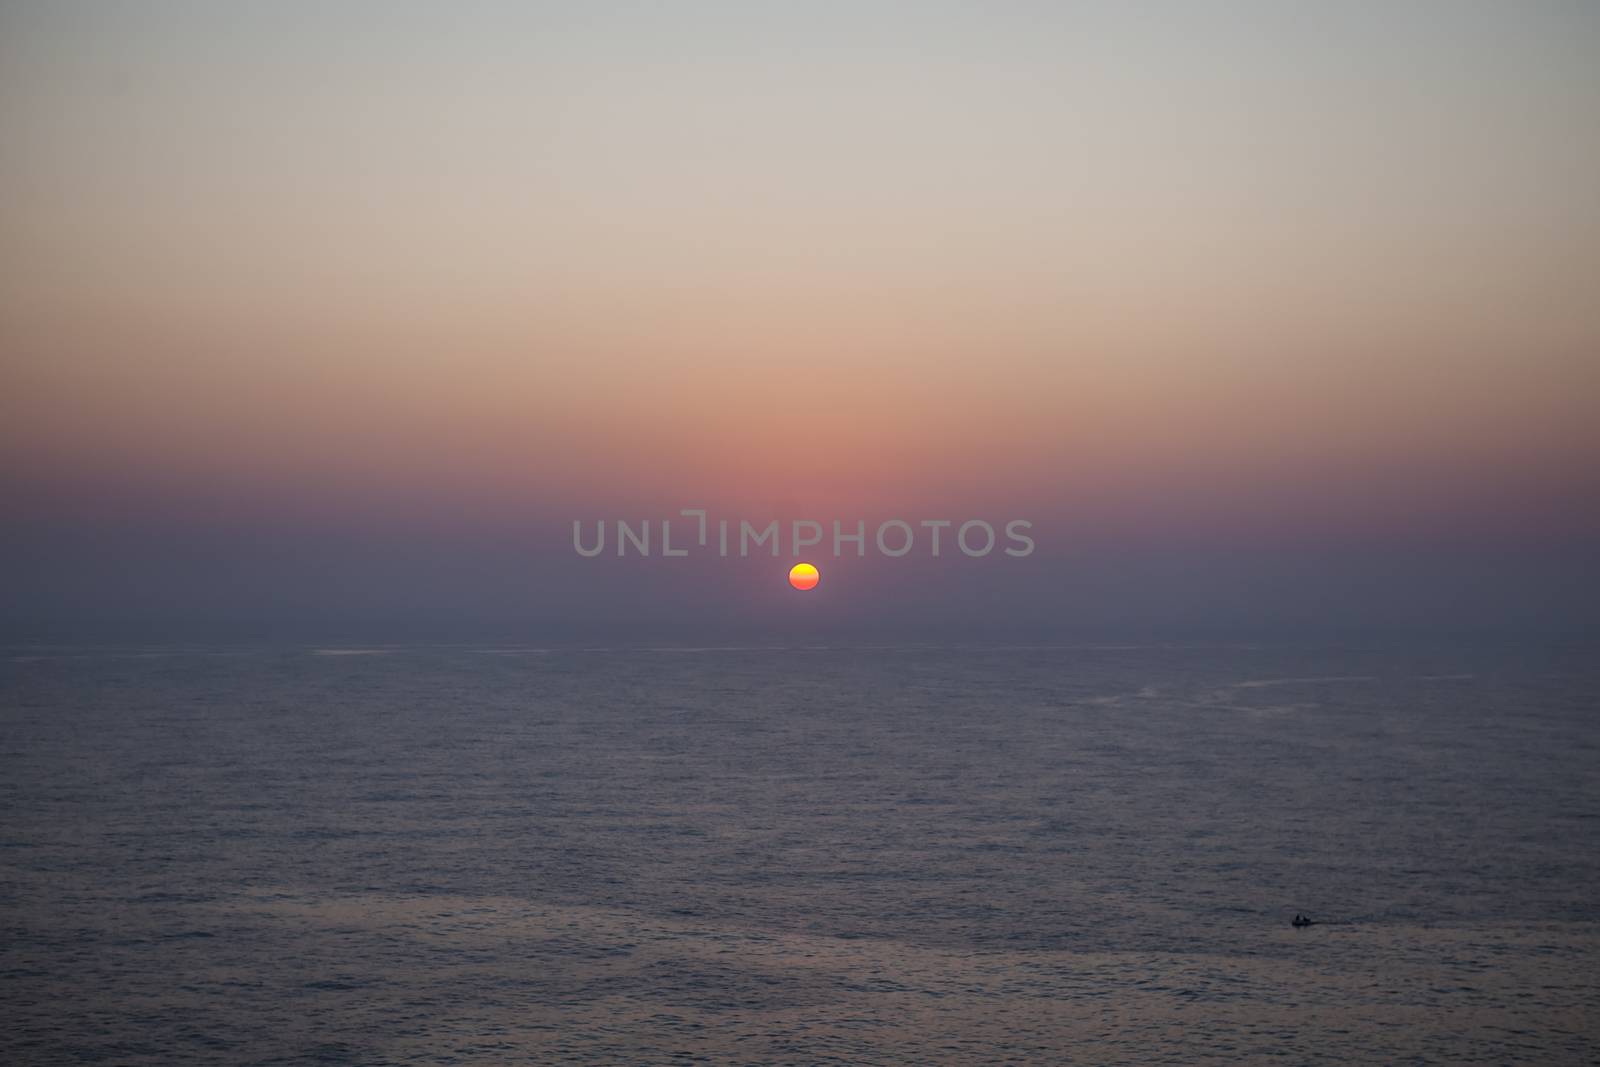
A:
[1301,920]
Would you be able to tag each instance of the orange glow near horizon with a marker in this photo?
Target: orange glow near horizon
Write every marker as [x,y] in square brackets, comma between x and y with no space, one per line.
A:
[577,268]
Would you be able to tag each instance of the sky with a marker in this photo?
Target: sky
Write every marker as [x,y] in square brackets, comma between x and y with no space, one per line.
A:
[335,317]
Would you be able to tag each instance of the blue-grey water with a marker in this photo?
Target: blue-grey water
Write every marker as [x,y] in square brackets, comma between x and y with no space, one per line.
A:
[487,855]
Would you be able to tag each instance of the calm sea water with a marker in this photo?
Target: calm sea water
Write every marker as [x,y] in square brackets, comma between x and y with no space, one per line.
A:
[868,856]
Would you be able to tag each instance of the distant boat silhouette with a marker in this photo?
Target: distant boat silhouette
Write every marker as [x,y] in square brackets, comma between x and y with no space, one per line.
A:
[1301,920]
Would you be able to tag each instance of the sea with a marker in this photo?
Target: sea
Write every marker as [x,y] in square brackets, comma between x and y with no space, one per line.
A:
[1080,852]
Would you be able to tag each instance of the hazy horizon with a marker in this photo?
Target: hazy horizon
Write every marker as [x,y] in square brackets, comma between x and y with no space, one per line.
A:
[1268,320]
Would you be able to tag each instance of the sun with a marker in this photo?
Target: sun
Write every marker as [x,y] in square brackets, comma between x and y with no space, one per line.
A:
[804,576]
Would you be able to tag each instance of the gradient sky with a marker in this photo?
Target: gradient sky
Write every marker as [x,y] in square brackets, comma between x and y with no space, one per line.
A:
[1266,315]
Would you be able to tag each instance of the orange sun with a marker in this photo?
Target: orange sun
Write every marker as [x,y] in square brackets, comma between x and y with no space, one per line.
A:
[804,576]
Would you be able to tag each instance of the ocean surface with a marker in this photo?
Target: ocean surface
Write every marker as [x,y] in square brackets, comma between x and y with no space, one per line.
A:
[910,855]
